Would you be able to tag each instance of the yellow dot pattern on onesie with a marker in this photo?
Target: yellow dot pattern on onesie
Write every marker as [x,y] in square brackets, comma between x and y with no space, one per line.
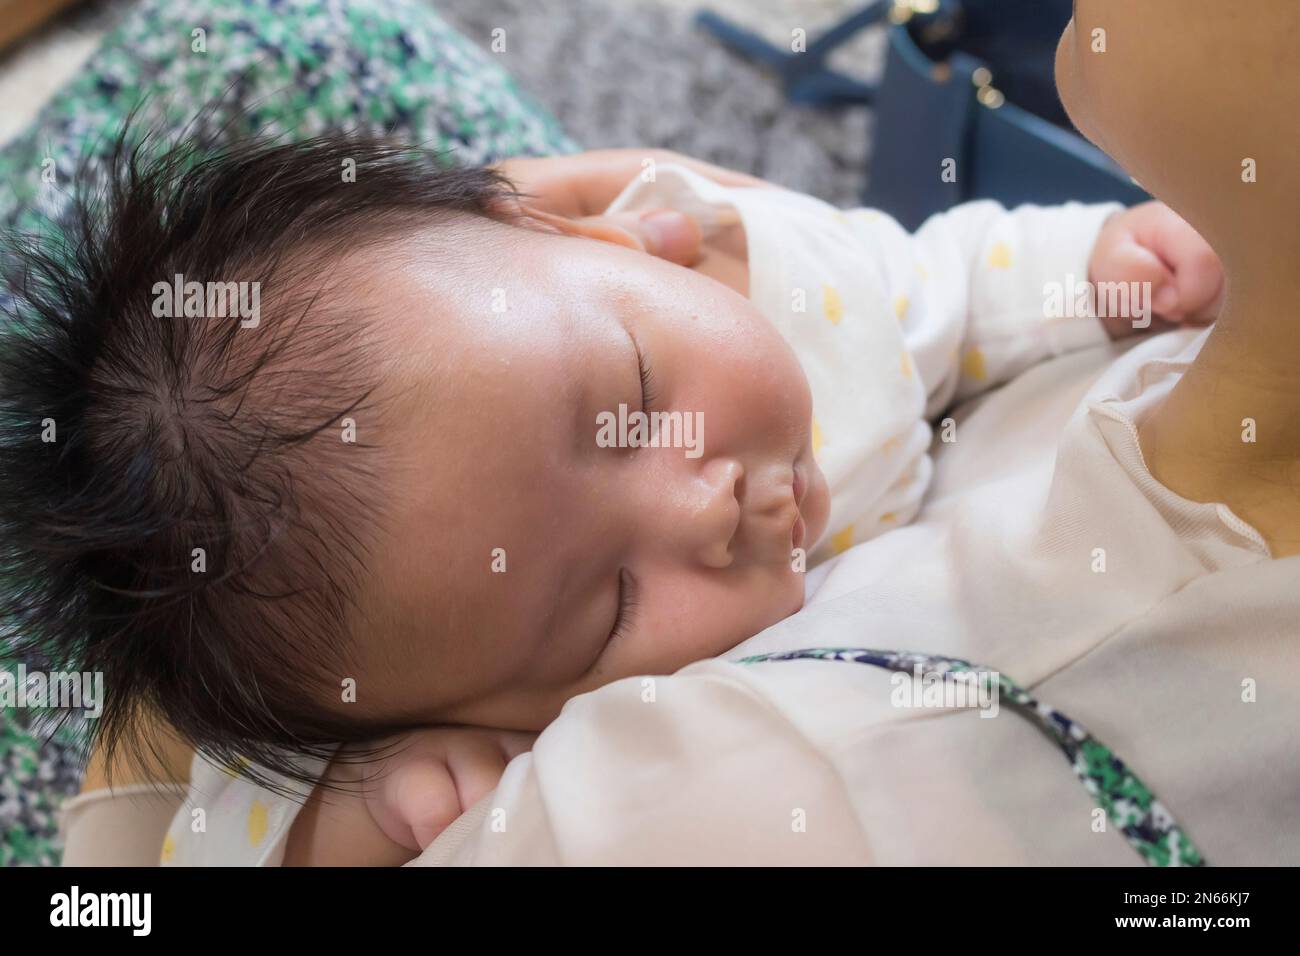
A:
[841,541]
[817,440]
[168,849]
[901,305]
[256,823]
[831,304]
[973,365]
[905,365]
[1000,256]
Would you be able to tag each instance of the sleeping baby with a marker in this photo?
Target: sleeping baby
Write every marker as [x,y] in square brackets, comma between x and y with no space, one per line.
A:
[473,459]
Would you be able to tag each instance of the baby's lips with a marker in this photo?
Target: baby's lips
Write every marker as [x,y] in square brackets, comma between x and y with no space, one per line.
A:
[800,485]
[798,532]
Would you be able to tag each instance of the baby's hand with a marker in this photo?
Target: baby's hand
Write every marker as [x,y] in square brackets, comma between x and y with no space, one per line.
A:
[1152,243]
[384,810]
[431,777]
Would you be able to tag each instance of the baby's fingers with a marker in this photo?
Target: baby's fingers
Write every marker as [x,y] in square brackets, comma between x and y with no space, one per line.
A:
[1198,284]
[1125,261]
[476,766]
[420,801]
[515,742]
[665,233]
[1197,288]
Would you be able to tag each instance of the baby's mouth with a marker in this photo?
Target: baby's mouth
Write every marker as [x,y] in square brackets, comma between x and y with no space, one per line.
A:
[772,522]
[799,530]
[811,497]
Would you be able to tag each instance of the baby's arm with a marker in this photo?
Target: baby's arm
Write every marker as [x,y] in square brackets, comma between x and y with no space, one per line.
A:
[984,293]
[384,810]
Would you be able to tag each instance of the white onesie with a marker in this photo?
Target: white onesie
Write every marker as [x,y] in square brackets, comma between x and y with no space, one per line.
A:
[889,327]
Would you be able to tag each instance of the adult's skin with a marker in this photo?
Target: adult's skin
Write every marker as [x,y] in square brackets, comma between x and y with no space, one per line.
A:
[1182,101]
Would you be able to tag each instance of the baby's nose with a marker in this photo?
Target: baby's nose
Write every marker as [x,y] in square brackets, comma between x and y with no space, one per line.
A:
[714,512]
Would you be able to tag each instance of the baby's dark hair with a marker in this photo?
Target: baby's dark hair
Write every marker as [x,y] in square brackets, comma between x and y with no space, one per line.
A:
[179,509]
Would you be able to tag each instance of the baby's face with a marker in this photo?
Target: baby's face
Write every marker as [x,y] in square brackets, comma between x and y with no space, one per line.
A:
[525,560]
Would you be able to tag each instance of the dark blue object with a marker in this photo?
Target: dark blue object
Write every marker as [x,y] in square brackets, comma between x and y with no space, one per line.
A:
[971,81]
[805,76]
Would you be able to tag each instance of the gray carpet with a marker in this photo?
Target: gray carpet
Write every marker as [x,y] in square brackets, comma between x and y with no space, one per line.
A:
[635,73]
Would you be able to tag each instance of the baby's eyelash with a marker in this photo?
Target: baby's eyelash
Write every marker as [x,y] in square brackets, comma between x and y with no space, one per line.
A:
[627,605]
[648,390]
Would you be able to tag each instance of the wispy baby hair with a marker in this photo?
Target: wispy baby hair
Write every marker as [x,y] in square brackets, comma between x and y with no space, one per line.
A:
[177,508]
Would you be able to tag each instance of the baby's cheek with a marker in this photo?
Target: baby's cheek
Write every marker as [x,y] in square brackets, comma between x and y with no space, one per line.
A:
[693,624]
[708,628]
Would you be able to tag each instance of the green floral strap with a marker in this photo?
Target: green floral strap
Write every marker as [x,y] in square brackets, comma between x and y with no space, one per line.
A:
[1145,822]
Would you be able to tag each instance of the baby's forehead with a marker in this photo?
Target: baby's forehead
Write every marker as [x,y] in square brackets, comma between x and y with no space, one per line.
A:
[476,279]
[459,244]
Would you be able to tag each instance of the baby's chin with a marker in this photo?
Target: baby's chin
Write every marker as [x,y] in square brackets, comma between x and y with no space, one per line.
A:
[797,594]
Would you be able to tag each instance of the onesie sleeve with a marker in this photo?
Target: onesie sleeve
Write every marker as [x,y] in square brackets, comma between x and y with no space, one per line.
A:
[982,293]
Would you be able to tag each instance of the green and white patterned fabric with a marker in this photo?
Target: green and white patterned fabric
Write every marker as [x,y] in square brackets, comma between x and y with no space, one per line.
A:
[1146,823]
[294,68]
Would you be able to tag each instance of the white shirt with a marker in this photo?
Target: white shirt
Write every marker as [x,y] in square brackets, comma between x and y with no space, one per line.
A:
[1182,655]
